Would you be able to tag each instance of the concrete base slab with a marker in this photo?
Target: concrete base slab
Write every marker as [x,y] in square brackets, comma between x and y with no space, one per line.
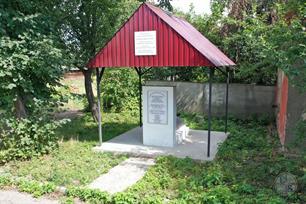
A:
[193,146]
[123,175]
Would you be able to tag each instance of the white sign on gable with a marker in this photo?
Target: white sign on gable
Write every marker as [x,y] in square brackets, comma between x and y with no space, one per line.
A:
[145,43]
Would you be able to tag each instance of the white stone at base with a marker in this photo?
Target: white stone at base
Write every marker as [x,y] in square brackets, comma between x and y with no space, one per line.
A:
[181,134]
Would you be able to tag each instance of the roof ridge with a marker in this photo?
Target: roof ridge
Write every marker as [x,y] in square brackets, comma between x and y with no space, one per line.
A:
[180,27]
[186,35]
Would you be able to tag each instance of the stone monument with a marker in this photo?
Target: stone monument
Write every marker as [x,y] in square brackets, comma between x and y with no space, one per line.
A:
[161,127]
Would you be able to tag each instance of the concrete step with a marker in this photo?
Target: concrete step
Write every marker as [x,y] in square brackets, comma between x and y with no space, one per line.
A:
[122,176]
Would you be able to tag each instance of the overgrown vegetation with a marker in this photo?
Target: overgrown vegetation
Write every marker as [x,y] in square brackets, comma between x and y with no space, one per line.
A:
[35,188]
[74,163]
[30,58]
[120,90]
[260,36]
[31,62]
[245,170]
[300,132]
[24,138]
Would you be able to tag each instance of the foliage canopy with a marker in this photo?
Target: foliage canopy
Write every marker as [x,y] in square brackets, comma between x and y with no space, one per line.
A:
[30,57]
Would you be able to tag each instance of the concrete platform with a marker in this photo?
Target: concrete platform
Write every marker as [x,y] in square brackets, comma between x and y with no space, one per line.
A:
[122,176]
[193,146]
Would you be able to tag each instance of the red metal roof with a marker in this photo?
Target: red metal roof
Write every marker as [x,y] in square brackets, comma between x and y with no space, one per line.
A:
[179,44]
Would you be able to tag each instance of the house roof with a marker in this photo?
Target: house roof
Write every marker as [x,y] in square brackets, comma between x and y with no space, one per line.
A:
[178,43]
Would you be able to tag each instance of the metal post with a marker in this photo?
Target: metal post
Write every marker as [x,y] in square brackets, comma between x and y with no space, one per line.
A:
[209,110]
[140,98]
[226,99]
[99,106]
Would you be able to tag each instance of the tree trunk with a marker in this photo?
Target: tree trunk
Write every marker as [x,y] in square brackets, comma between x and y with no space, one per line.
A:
[20,108]
[89,94]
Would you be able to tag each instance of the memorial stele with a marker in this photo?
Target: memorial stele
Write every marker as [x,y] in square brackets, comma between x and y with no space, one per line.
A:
[159,116]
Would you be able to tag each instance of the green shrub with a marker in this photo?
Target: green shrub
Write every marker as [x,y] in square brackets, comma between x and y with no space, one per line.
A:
[244,188]
[119,88]
[212,177]
[26,138]
[219,194]
[5,181]
[89,195]
[35,188]
[153,200]
[131,107]
[125,198]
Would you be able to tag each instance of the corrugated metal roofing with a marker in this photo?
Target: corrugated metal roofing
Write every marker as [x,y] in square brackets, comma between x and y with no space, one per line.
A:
[179,44]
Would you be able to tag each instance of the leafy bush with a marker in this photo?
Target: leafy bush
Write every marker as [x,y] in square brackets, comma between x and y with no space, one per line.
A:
[132,107]
[219,194]
[35,188]
[31,58]
[5,181]
[92,196]
[25,138]
[212,177]
[125,198]
[119,89]
[244,171]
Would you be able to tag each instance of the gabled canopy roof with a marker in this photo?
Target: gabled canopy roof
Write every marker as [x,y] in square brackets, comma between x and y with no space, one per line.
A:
[178,43]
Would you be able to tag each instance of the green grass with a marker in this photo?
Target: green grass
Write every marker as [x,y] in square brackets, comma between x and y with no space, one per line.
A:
[74,163]
[244,171]
[84,129]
